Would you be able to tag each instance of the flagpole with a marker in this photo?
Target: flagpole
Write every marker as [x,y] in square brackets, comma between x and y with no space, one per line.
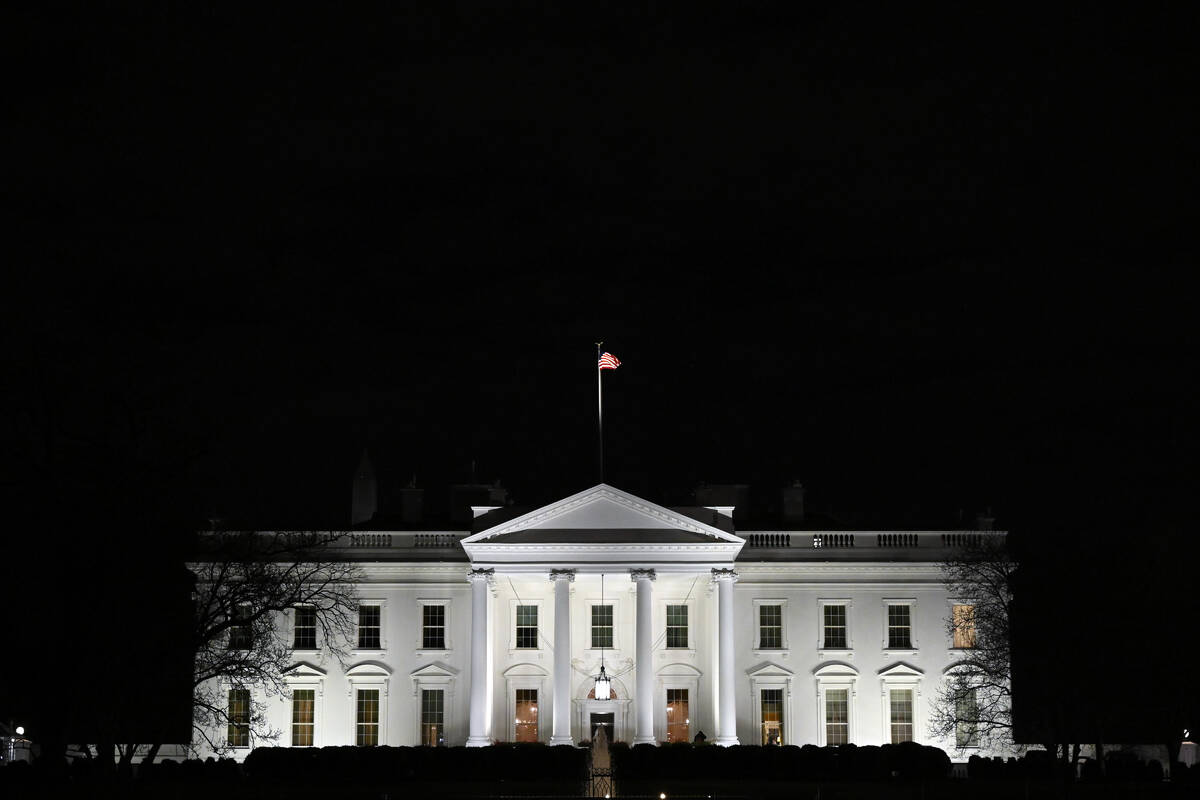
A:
[599,416]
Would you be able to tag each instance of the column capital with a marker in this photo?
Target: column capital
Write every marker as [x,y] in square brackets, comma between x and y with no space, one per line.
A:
[724,575]
[638,574]
[477,575]
[567,575]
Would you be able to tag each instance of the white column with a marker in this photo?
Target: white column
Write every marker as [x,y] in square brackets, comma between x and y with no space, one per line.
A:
[643,659]
[561,732]
[727,733]
[479,579]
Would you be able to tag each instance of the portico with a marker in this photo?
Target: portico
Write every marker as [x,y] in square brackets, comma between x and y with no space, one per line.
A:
[603,577]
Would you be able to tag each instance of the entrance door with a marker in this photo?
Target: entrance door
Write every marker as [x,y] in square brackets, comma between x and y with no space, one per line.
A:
[607,720]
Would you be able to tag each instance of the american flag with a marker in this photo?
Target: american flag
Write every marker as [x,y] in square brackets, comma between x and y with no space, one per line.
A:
[608,361]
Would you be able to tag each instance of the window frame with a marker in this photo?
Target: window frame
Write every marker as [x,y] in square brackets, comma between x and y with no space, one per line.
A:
[613,600]
[292,619]
[248,627]
[513,602]
[421,693]
[976,745]
[690,604]
[524,675]
[435,675]
[305,676]
[772,676]
[914,645]
[368,676]
[823,650]
[676,676]
[902,676]
[837,676]
[784,649]
[383,618]
[952,603]
[229,723]
[293,723]
[448,645]
[612,626]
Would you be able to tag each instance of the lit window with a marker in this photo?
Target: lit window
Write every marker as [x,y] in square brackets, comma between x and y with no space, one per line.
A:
[770,627]
[964,626]
[772,716]
[306,629]
[678,716]
[899,627]
[239,718]
[901,715]
[835,627]
[966,716]
[369,628]
[432,718]
[240,637]
[677,626]
[602,626]
[527,715]
[366,721]
[303,705]
[527,626]
[433,627]
[837,716]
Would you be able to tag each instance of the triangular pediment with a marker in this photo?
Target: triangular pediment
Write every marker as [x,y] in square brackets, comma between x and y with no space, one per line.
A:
[769,669]
[600,513]
[435,669]
[901,670]
[303,669]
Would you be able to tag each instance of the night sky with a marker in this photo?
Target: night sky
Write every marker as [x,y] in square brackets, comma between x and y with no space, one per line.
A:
[923,264]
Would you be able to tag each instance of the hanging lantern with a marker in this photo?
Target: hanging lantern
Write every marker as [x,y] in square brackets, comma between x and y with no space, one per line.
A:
[603,689]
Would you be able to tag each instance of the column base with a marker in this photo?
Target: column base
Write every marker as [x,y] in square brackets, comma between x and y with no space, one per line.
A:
[644,740]
[561,740]
[478,741]
[725,741]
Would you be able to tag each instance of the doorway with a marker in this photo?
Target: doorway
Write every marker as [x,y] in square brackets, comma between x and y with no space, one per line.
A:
[607,721]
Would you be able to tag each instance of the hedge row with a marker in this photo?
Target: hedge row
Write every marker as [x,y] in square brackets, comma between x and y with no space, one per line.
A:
[790,763]
[388,765]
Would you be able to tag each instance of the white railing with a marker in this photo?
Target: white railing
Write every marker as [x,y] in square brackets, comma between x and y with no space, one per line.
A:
[886,540]
[430,540]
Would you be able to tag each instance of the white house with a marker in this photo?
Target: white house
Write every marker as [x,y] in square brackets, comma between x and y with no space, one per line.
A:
[497,633]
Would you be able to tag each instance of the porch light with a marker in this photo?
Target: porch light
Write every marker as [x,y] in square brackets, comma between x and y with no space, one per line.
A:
[603,685]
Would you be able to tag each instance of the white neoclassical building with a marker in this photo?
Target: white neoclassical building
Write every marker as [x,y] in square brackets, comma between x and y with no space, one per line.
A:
[497,633]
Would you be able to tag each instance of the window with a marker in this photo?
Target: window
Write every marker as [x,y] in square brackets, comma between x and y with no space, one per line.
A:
[303,717]
[966,715]
[834,627]
[899,627]
[433,627]
[240,628]
[239,718]
[772,716]
[366,721]
[901,715]
[527,630]
[678,716]
[964,626]
[527,714]
[305,629]
[369,628]
[602,626]
[677,626]
[837,716]
[432,716]
[770,627]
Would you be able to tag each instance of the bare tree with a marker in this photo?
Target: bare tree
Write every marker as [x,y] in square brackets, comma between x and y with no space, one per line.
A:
[973,707]
[245,584]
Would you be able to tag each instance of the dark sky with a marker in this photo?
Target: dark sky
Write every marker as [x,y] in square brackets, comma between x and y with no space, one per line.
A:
[915,261]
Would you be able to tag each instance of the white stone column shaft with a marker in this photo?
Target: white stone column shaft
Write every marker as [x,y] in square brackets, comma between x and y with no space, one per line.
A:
[644,685]
[561,731]
[480,579]
[727,733]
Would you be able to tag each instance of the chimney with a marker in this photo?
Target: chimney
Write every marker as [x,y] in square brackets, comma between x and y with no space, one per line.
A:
[724,498]
[465,496]
[412,501]
[498,495]
[364,494]
[985,521]
[793,502]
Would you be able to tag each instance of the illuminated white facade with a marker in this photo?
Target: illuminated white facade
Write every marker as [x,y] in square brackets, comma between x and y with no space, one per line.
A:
[496,634]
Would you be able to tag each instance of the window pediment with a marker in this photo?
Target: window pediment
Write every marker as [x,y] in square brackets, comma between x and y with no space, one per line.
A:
[434,670]
[835,669]
[367,669]
[303,669]
[769,669]
[901,670]
[525,670]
